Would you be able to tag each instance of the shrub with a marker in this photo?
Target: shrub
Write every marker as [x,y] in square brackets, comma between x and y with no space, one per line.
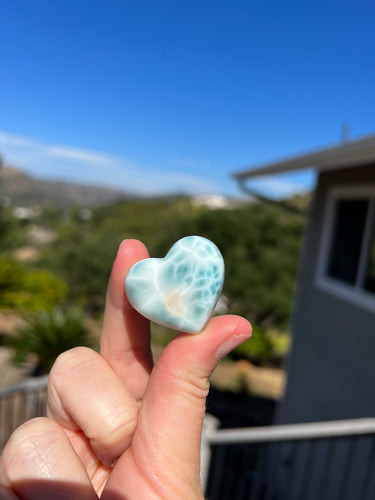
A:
[259,348]
[30,290]
[46,335]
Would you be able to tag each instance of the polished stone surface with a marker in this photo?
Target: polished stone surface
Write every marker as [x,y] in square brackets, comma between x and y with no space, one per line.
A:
[180,290]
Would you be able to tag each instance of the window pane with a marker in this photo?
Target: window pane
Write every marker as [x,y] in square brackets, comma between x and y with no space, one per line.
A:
[370,274]
[350,218]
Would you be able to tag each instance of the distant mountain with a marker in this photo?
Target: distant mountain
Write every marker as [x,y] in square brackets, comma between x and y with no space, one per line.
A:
[24,190]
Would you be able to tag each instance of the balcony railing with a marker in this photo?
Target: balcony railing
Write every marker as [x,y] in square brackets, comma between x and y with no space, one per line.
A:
[314,461]
[20,402]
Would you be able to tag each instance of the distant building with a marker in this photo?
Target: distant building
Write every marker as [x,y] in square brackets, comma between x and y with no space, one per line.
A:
[331,366]
[24,213]
[215,201]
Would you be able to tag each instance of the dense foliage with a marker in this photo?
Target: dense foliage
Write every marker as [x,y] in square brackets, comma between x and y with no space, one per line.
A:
[260,244]
[12,231]
[28,289]
[21,287]
[84,250]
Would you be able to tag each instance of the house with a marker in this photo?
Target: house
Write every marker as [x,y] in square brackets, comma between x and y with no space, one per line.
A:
[331,368]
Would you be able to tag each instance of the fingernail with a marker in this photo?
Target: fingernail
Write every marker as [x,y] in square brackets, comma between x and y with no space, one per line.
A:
[123,241]
[228,345]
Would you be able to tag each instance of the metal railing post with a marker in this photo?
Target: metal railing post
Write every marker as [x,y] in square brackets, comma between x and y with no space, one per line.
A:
[210,425]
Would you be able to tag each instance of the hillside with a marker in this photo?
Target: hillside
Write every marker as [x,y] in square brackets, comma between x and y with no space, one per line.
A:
[24,190]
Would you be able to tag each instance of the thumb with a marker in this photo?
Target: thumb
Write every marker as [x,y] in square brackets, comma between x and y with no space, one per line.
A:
[168,435]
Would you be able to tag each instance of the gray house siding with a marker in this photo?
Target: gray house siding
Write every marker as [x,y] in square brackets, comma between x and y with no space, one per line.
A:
[331,369]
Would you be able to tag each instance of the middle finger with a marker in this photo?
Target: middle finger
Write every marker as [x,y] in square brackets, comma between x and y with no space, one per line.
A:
[125,337]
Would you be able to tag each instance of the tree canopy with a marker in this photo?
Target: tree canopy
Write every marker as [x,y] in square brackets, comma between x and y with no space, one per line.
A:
[260,245]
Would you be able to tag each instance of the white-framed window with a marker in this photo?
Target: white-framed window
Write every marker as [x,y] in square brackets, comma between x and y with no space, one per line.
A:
[346,264]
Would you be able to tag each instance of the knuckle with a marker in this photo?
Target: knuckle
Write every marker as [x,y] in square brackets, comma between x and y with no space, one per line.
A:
[71,357]
[35,428]
[69,361]
[114,436]
[188,384]
[196,386]
[117,424]
[69,368]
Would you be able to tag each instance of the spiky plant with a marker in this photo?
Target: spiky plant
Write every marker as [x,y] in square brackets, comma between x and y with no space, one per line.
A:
[47,334]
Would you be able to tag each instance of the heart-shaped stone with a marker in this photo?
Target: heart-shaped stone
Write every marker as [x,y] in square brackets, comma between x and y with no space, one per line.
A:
[181,290]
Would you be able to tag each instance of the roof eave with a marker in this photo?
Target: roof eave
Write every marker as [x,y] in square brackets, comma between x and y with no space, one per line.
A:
[351,153]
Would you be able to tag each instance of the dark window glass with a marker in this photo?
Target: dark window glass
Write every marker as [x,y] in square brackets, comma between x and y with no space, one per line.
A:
[350,218]
[370,273]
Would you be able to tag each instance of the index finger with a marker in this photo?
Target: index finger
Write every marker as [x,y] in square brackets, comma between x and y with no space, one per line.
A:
[125,337]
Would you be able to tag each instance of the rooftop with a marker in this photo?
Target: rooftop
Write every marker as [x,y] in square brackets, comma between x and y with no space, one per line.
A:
[346,154]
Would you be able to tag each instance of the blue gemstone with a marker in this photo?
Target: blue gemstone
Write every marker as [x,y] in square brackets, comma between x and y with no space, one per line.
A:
[181,290]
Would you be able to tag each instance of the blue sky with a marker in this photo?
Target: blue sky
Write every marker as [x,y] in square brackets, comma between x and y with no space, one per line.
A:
[163,96]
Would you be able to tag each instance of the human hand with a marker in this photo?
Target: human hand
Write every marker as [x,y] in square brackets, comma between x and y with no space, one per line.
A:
[119,427]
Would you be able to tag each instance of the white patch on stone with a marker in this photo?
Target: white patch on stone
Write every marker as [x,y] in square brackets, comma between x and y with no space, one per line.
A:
[174,303]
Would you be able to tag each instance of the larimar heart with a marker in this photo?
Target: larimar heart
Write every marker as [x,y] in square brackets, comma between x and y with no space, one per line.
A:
[181,290]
